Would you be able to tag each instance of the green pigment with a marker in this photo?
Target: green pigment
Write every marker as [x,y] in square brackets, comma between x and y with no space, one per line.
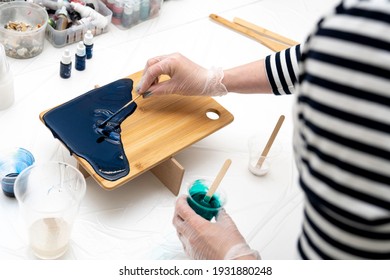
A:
[205,209]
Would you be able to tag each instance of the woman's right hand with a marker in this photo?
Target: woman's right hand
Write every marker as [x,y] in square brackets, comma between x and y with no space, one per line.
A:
[186,77]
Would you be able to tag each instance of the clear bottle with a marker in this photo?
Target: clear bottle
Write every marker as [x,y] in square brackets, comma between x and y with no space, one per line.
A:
[117,12]
[7,96]
[127,17]
[136,11]
[144,10]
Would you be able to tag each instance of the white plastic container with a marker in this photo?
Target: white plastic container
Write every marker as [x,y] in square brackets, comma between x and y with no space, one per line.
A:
[7,95]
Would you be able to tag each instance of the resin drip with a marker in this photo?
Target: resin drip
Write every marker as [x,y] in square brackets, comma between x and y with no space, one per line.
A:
[75,123]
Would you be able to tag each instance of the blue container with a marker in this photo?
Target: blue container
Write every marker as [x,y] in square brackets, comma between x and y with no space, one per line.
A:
[12,162]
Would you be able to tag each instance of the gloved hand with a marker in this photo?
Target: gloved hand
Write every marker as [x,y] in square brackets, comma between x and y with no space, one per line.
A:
[187,77]
[203,239]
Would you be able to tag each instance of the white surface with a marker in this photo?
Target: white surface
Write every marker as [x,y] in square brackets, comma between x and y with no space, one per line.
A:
[134,221]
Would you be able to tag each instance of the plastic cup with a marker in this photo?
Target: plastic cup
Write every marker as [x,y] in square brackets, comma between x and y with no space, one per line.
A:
[12,162]
[196,193]
[49,197]
[260,165]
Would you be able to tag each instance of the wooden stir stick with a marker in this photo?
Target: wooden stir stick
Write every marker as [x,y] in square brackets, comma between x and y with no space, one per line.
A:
[217,181]
[269,43]
[265,32]
[270,142]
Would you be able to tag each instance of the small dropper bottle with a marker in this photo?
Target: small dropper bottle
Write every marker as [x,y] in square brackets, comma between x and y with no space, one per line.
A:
[127,17]
[66,65]
[62,21]
[117,12]
[80,57]
[88,43]
[7,95]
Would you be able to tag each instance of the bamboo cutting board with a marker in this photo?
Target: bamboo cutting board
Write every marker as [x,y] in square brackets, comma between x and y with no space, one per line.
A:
[160,128]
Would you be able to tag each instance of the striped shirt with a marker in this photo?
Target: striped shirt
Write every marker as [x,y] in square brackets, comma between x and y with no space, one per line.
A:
[342,130]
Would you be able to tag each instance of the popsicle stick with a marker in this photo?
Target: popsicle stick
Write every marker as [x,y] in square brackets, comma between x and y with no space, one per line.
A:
[271,44]
[265,32]
[270,142]
[217,180]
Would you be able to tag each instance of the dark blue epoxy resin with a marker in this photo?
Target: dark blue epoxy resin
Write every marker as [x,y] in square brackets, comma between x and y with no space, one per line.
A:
[76,124]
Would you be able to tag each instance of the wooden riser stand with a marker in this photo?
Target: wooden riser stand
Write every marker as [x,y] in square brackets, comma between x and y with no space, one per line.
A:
[160,128]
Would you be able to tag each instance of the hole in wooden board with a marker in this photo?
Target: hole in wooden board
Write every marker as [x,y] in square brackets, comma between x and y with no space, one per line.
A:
[212,114]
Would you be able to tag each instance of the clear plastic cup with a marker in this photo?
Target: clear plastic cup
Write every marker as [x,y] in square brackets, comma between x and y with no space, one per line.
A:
[49,196]
[260,165]
[196,193]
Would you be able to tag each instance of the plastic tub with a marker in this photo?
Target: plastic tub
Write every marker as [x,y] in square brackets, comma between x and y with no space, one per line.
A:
[76,33]
[30,41]
[128,13]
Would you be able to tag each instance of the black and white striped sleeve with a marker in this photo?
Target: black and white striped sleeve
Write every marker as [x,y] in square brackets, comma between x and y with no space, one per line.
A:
[282,70]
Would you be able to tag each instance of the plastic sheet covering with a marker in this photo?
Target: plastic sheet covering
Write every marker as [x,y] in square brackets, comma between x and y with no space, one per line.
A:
[134,221]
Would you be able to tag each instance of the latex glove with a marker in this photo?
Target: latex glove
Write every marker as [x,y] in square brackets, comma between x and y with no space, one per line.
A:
[187,77]
[203,239]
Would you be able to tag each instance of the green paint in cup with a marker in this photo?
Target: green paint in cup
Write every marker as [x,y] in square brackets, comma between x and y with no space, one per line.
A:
[196,193]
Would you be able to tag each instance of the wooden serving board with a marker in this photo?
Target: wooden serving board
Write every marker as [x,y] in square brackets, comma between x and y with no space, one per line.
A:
[159,128]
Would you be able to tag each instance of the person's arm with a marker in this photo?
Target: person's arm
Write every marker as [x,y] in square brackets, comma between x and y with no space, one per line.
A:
[248,78]
[275,73]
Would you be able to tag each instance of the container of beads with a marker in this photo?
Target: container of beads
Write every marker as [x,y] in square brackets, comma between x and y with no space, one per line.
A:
[128,13]
[22,29]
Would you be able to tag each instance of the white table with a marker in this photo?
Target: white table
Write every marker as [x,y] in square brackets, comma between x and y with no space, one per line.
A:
[134,221]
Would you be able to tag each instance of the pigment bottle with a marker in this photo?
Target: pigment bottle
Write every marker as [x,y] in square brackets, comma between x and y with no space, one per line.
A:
[110,4]
[117,12]
[88,43]
[100,21]
[80,57]
[127,17]
[136,11]
[66,65]
[62,21]
[144,10]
